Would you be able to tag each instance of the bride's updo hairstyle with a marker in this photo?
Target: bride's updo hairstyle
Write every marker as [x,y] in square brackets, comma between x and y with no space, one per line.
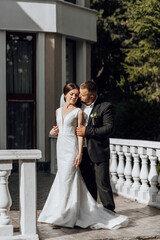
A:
[68,87]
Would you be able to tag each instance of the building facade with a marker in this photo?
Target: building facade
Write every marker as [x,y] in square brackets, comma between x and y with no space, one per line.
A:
[43,45]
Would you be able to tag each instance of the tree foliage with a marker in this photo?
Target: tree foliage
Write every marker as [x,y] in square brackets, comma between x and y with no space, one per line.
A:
[127,52]
[142,59]
[106,53]
[137,119]
[126,64]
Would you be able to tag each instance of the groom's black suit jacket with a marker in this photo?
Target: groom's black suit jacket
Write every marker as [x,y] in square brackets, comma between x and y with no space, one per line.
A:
[98,131]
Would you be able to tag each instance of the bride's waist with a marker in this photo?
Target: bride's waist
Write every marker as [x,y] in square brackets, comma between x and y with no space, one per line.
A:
[67,134]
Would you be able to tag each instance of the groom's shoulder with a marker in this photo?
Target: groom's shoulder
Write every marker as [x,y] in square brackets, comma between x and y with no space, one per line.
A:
[105,107]
[103,103]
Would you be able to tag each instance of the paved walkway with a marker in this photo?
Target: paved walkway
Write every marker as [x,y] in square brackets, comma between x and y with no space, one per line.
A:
[144,220]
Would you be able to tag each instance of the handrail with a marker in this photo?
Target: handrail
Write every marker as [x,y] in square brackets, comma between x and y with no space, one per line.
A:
[137,143]
[135,171]
[27,193]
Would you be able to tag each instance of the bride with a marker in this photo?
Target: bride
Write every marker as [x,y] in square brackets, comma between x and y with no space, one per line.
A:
[69,203]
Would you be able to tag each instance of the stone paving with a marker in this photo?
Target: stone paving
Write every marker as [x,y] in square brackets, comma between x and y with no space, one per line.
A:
[144,220]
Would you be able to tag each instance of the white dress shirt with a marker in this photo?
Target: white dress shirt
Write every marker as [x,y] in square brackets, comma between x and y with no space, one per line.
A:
[86,112]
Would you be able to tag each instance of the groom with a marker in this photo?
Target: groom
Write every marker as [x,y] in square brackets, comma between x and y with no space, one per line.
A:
[97,128]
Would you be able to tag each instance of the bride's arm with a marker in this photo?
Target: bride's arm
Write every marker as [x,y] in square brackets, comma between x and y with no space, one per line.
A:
[80,140]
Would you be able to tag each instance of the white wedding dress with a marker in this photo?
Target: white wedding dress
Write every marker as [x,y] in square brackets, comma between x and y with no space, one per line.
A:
[69,203]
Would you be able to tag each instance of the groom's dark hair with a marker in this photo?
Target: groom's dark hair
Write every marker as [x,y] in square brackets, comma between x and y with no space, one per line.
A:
[90,86]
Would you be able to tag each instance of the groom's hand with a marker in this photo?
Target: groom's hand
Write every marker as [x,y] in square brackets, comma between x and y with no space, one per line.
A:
[80,131]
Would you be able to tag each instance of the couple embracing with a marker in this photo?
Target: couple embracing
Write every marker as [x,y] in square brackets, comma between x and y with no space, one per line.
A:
[83,163]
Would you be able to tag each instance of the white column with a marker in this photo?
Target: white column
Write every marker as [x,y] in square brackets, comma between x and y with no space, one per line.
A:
[153,179]
[158,196]
[113,169]
[153,175]
[120,171]
[6,227]
[40,60]
[135,174]
[128,174]
[143,194]
[81,61]
[3,90]
[28,197]
[144,173]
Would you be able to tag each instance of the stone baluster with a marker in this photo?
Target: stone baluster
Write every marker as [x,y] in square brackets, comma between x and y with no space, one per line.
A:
[159,181]
[158,196]
[144,188]
[135,173]
[113,169]
[158,155]
[6,227]
[128,174]
[153,179]
[120,170]
[144,173]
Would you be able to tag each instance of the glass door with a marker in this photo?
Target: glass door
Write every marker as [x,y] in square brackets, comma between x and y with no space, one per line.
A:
[21,90]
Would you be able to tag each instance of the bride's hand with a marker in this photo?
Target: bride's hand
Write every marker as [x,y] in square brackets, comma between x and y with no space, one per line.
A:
[54,131]
[78,160]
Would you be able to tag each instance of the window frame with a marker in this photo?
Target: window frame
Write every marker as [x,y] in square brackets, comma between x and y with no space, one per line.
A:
[24,97]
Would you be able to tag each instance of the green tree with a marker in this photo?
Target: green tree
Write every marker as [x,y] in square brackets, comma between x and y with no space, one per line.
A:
[111,36]
[125,64]
[142,61]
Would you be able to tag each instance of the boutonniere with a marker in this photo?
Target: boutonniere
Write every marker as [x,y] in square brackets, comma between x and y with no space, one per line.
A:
[94,115]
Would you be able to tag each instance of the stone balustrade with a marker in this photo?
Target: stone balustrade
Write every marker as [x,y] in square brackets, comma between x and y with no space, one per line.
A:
[27,193]
[135,170]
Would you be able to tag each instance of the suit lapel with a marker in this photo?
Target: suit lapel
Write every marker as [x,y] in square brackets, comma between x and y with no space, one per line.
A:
[95,107]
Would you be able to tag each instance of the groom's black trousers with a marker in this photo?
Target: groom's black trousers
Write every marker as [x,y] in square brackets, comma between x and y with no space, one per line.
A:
[96,177]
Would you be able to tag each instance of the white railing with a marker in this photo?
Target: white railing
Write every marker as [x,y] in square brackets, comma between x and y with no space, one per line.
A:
[135,170]
[27,193]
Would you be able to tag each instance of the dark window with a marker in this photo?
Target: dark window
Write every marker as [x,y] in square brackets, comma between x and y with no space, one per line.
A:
[70,60]
[21,91]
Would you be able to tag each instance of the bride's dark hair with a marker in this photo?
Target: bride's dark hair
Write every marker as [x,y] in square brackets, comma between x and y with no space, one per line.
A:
[70,86]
